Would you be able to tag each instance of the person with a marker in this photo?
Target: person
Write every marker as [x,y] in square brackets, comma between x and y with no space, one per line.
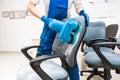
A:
[55,9]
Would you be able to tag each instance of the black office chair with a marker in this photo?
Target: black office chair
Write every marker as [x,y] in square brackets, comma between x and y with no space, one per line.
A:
[96,31]
[104,60]
[49,70]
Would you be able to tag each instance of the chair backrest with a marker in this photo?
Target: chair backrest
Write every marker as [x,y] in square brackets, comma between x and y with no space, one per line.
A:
[94,30]
[111,30]
[69,50]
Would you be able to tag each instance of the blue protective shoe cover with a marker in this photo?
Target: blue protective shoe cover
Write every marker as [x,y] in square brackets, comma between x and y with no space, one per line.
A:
[74,73]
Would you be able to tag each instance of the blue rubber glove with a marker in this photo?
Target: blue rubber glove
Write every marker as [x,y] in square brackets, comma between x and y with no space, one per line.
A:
[82,12]
[46,20]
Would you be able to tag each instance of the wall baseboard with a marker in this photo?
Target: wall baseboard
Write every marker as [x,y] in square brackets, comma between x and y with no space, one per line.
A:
[10,51]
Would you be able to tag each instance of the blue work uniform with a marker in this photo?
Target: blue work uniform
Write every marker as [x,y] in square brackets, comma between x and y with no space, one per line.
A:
[57,10]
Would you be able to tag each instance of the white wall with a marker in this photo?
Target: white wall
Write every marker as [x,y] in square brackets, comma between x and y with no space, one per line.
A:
[110,8]
[18,33]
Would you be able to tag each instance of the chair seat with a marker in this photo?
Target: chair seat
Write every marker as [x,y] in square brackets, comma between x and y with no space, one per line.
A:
[94,61]
[55,71]
[103,49]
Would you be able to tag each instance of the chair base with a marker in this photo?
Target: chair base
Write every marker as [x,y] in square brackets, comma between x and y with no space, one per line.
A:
[107,74]
[95,72]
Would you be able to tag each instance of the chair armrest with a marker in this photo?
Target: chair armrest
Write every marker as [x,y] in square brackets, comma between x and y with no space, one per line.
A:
[42,58]
[35,64]
[25,51]
[112,39]
[96,40]
[92,41]
[97,46]
[102,44]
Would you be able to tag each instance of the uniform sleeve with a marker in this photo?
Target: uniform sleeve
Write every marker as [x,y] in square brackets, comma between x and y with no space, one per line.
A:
[78,4]
[35,1]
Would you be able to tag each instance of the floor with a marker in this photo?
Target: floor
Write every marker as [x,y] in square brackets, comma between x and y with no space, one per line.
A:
[10,62]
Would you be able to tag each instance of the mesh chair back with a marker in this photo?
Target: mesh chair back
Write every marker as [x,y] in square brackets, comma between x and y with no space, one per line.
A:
[111,30]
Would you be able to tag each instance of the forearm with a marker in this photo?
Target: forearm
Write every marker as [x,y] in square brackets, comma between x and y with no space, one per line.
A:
[79,9]
[31,7]
[78,5]
[81,12]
